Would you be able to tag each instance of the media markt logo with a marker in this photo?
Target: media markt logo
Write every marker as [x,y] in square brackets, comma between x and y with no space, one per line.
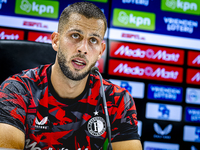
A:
[134,19]
[48,9]
[181,6]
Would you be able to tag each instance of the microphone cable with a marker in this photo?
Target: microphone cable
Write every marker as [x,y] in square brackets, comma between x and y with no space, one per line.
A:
[95,70]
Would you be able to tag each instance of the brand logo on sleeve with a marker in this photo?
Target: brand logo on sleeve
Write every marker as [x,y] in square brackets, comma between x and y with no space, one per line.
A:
[134,19]
[48,9]
[181,6]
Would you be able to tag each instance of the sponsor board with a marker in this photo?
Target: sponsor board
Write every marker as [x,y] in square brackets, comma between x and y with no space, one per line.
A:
[1,2]
[39,37]
[100,64]
[154,39]
[139,128]
[193,76]
[47,9]
[146,53]
[165,93]
[192,96]
[192,114]
[134,19]
[163,111]
[136,89]
[136,2]
[193,59]
[27,23]
[10,34]
[160,146]
[180,25]
[145,71]
[191,133]
[181,6]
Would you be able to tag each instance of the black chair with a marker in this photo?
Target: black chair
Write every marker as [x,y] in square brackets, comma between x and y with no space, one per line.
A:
[16,55]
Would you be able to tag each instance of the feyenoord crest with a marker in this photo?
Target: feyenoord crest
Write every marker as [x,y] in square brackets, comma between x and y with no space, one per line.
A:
[96,126]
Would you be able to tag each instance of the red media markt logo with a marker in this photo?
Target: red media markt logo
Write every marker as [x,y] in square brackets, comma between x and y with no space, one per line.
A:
[193,59]
[193,76]
[39,37]
[10,34]
[145,71]
[147,53]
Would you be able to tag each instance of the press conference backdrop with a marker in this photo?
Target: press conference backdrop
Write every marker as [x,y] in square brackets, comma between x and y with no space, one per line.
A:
[153,50]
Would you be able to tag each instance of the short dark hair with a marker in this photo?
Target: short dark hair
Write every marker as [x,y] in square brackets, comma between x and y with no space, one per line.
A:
[89,10]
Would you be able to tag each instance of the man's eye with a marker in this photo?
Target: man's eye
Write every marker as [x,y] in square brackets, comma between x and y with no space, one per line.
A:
[93,40]
[75,36]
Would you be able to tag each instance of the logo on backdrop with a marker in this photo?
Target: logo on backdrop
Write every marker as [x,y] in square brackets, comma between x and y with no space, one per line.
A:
[192,114]
[1,2]
[191,133]
[193,76]
[137,2]
[162,133]
[125,85]
[180,6]
[163,112]
[180,25]
[134,19]
[11,34]
[193,96]
[160,146]
[145,71]
[47,9]
[193,58]
[166,93]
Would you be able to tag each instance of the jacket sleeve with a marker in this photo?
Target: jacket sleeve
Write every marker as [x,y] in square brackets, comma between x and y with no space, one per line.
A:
[13,103]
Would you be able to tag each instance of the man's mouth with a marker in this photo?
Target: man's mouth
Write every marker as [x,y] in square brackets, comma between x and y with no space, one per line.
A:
[79,62]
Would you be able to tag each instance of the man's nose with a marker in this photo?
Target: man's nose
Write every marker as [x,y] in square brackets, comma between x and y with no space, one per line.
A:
[83,48]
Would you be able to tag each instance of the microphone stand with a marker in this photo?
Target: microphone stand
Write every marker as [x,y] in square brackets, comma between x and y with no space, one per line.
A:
[106,111]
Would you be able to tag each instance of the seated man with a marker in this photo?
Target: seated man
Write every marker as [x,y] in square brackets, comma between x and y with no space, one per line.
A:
[59,106]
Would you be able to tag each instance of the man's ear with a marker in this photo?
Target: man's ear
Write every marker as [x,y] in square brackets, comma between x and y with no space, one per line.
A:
[103,47]
[55,40]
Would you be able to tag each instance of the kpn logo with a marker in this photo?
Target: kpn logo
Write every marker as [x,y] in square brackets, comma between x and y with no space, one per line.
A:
[181,6]
[48,9]
[134,19]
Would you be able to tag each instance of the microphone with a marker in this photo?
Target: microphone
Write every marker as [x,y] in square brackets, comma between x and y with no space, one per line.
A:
[95,71]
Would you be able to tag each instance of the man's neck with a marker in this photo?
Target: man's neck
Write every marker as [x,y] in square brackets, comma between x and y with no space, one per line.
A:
[65,87]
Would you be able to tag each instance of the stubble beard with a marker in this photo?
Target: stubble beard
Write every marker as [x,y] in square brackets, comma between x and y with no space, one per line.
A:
[66,70]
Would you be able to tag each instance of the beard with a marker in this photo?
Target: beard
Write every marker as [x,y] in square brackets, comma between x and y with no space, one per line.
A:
[66,70]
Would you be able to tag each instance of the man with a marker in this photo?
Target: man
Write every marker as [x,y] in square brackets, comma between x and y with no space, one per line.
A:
[59,106]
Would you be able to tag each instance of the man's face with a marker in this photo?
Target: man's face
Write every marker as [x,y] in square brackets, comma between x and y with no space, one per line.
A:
[80,46]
